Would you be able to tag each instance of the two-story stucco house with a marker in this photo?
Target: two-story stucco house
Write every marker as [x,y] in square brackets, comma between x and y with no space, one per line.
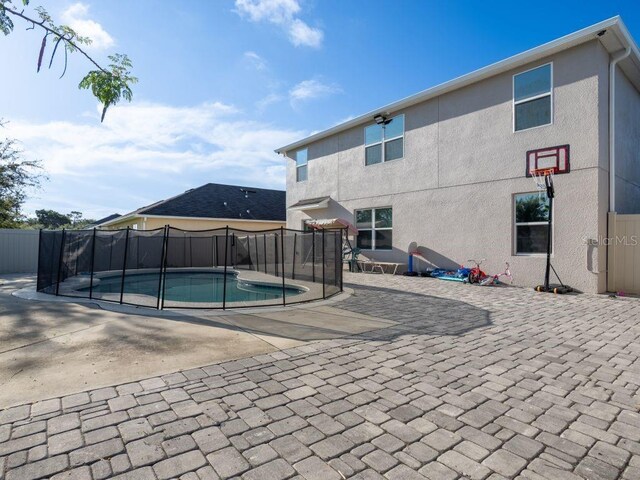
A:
[445,169]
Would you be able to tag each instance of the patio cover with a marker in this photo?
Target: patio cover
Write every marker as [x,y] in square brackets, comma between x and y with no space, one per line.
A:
[311,204]
[332,223]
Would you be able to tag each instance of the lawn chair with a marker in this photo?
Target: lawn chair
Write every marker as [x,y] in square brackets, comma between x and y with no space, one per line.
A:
[350,257]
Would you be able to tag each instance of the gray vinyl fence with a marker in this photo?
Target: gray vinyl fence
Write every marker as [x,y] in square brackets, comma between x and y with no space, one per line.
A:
[18,251]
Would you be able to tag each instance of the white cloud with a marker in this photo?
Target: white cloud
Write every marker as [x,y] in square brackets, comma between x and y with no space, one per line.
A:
[150,151]
[76,16]
[270,99]
[311,89]
[255,60]
[302,34]
[284,14]
[274,11]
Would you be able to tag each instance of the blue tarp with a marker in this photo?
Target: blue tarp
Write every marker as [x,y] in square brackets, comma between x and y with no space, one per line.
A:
[459,275]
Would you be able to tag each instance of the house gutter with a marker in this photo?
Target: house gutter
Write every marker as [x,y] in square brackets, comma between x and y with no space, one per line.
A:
[612,148]
[612,126]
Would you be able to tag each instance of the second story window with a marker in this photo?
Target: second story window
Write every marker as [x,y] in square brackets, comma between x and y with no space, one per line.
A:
[301,165]
[384,142]
[532,98]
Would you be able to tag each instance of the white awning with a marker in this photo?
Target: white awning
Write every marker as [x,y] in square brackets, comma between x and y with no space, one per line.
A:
[311,204]
[321,223]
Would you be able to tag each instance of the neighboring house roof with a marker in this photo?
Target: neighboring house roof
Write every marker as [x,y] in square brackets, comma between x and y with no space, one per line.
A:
[113,216]
[612,33]
[218,201]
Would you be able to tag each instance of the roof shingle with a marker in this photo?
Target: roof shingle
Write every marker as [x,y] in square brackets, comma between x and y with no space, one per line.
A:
[215,200]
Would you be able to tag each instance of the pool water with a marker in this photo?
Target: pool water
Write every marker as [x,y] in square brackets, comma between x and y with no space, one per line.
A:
[193,287]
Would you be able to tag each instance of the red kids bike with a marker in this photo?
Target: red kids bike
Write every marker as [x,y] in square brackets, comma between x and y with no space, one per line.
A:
[476,274]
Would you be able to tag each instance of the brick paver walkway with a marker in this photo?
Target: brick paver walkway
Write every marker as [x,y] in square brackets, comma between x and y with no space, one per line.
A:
[472,383]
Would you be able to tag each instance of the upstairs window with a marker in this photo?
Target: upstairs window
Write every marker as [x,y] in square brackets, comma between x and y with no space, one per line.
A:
[301,165]
[532,98]
[384,142]
[375,228]
[531,223]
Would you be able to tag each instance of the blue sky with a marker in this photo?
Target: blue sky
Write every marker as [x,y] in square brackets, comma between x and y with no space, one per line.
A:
[223,83]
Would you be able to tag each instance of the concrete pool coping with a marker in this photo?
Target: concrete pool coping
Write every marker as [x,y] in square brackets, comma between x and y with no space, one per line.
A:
[30,293]
[309,290]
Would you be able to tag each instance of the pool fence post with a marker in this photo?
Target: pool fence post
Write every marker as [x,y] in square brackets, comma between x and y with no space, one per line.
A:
[324,293]
[75,256]
[340,265]
[293,261]
[276,260]
[226,255]
[124,264]
[93,260]
[39,250]
[313,256]
[60,261]
[164,265]
[284,301]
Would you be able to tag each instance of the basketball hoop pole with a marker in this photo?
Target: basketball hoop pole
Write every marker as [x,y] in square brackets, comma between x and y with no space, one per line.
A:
[550,190]
[548,181]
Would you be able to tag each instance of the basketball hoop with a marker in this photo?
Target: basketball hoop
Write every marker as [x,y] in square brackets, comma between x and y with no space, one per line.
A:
[543,178]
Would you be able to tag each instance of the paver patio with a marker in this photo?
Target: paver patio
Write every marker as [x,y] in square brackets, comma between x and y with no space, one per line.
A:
[470,382]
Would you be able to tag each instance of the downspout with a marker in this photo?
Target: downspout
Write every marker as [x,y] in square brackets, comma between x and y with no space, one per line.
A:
[612,146]
[612,126]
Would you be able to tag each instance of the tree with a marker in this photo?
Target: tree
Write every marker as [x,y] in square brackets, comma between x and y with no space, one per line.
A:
[51,219]
[74,217]
[108,84]
[17,175]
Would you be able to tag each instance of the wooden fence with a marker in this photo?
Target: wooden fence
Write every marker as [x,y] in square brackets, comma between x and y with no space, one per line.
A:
[624,253]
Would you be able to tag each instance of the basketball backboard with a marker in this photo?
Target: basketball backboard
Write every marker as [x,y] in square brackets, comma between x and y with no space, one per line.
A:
[556,158]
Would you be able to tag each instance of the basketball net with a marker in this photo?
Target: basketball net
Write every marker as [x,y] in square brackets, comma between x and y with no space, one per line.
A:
[540,177]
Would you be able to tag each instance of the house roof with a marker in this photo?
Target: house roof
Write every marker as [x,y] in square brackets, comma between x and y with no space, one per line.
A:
[612,33]
[215,200]
[113,216]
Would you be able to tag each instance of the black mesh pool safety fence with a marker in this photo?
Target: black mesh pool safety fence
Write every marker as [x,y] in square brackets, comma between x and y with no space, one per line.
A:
[173,268]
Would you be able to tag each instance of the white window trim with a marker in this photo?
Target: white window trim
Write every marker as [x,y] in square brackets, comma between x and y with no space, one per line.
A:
[517,224]
[373,228]
[306,164]
[382,142]
[528,99]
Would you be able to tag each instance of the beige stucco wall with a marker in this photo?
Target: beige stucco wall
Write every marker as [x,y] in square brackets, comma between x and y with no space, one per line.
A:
[452,193]
[627,146]
[150,223]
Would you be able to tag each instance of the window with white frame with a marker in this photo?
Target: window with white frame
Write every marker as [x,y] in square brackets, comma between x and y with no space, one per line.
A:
[301,165]
[385,141]
[531,223]
[375,228]
[532,98]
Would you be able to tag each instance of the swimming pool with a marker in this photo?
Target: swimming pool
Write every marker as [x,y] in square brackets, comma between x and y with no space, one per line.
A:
[193,287]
